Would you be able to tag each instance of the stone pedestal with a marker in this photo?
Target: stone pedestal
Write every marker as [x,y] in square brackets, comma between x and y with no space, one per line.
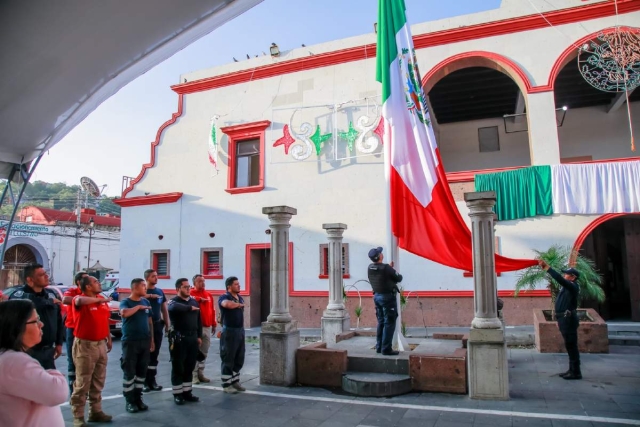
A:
[335,319]
[279,337]
[488,370]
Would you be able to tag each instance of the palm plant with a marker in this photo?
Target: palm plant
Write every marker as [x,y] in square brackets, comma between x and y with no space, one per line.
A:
[558,257]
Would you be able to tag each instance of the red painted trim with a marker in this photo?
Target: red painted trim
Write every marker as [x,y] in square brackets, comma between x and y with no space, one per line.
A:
[164,277]
[213,277]
[204,265]
[154,144]
[247,264]
[239,133]
[571,52]
[325,276]
[589,229]
[424,294]
[477,59]
[421,41]
[468,176]
[156,199]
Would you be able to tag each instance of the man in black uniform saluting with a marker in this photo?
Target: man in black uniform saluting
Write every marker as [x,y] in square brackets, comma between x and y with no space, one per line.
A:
[48,308]
[567,315]
[185,339]
[232,338]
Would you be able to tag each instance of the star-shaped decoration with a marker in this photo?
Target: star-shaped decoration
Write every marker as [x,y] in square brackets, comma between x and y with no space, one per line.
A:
[286,139]
[318,139]
[379,130]
[349,136]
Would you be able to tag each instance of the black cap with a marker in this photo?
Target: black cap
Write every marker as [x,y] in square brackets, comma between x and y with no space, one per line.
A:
[374,254]
[573,272]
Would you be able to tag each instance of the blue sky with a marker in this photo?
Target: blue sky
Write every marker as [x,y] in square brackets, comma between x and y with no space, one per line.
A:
[115,139]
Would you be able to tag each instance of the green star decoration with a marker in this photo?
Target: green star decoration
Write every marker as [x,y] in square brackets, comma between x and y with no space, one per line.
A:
[350,136]
[319,139]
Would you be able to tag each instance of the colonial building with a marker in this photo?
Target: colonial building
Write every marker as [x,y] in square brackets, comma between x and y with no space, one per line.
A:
[301,128]
[48,236]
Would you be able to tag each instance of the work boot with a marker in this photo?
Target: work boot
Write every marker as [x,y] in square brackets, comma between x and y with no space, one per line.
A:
[131,407]
[230,390]
[149,387]
[139,402]
[574,372]
[79,422]
[564,374]
[391,353]
[189,397]
[99,417]
[202,378]
[238,387]
[178,399]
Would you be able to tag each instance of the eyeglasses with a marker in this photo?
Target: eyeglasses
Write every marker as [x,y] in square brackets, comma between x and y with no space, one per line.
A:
[185,287]
[34,321]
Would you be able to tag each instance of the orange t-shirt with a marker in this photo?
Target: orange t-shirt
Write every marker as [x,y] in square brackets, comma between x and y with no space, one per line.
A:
[207,311]
[71,292]
[91,320]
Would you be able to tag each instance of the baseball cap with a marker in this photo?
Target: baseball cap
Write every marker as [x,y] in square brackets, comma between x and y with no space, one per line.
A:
[374,254]
[572,271]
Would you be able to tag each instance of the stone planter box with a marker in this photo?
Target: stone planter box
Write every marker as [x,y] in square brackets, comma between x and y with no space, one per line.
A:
[593,336]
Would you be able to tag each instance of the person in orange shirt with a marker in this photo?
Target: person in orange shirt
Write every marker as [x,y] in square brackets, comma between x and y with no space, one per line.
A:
[69,323]
[208,316]
[92,343]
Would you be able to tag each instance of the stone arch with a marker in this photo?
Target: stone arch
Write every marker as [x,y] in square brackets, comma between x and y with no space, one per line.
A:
[38,250]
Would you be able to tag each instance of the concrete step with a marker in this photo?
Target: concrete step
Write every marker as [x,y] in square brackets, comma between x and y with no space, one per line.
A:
[398,365]
[372,384]
[624,340]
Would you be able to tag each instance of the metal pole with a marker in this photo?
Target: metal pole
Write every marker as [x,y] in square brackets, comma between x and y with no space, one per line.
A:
[89,254]
[75,251]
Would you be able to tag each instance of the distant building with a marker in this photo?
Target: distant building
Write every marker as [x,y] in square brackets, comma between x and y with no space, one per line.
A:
[47,236]
[301,129]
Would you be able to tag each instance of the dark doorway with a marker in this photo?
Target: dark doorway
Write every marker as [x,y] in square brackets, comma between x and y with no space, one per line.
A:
[260,285]
[614,246]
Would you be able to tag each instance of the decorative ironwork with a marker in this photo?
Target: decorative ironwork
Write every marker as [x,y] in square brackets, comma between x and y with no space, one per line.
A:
[611,62]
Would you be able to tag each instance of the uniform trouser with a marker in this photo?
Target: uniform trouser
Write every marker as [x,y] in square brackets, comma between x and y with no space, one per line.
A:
[152,369]
[44,355]
[569,329]
[232,354]
[204,348]
[90,358]
[386,314]
[71,368]
[183,360]
[134,363]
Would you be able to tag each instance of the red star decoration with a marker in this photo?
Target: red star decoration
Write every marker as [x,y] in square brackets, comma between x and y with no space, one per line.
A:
[379,130]
[286,140]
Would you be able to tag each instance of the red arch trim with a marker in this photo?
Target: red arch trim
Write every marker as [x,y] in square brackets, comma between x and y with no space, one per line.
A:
[467,59]
[569,54]
[154,144]
[592,226]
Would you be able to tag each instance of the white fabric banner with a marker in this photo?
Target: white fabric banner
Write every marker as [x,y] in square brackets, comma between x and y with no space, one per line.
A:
[596,188]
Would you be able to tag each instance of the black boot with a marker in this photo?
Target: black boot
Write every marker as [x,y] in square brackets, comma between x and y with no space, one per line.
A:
[178,399]
[189,397]
[564,374]
[151,386]
[574,372]
[130,405]
[139,402]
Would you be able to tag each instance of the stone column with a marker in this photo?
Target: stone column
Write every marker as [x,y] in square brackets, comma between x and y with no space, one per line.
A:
[487,350]
[279,337]
[335,318]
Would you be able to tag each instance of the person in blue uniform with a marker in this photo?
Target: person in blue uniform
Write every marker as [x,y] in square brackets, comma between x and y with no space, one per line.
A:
[137,343]
[567,315]
[384,283]
[232,337]
[185,339]
[160,317]
[48,308]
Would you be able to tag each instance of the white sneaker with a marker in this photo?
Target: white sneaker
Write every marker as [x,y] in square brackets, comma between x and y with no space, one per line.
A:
[230,390]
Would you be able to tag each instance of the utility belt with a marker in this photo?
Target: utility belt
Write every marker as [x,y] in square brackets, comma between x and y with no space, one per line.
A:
[569,313]
[176,337]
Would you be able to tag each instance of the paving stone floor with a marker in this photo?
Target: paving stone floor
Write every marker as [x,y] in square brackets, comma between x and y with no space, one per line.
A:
[609,395]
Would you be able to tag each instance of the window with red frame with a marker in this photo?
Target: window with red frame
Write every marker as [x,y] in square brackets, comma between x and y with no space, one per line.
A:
[246,157]
[211,263]
[324,261]
[160,262]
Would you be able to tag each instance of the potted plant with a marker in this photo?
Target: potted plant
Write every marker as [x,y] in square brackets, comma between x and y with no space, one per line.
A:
[592,334]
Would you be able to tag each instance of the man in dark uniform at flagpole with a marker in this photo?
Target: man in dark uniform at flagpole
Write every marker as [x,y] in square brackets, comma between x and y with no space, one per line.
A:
[185,338]
[567,315]
[232,348]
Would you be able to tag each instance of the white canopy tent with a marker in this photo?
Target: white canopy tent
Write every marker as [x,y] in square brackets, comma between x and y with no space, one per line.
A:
[63,58]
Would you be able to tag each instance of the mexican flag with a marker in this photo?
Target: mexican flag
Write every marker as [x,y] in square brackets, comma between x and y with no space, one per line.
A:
[424,216]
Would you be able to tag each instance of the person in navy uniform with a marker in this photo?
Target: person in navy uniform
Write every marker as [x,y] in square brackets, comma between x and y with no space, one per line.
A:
[232,337]
[137,343]
[185,339]
[384,282]
[160,317]
[48,308]
[567,315]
